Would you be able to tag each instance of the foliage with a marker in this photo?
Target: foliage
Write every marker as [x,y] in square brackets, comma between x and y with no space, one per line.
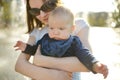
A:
[116,14]
[98,18]
[7,15]
[11,13]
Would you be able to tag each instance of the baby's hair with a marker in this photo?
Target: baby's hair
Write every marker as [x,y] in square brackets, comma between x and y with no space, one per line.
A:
[64,14]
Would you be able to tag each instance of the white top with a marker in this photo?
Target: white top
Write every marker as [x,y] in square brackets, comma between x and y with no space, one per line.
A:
[79,24]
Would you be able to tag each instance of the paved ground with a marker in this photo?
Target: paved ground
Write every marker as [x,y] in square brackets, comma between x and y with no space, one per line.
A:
[104,41]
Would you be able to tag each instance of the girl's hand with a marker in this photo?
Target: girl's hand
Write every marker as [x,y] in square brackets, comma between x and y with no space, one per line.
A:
[65,75]
[36,59]
[38,53]
[40,61]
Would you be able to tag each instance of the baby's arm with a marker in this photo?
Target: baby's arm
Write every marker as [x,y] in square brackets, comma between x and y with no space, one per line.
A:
[82,53]
[88,59]
[26,48]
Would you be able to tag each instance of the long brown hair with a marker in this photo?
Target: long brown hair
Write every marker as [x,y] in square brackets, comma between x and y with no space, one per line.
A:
[33,22]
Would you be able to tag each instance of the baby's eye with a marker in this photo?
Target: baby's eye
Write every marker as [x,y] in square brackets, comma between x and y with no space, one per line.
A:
[61,28]
[51,28]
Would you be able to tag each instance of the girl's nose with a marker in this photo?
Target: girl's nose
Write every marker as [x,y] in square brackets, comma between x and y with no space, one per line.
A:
[42,13]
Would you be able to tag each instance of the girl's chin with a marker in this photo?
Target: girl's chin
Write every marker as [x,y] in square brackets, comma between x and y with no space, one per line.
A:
[45,22]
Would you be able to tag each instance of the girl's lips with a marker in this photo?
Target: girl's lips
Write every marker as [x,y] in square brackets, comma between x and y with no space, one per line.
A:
[45,19]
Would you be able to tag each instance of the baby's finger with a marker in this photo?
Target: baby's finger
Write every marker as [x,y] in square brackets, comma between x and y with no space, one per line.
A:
[105,74]
[17,44]
[17,49]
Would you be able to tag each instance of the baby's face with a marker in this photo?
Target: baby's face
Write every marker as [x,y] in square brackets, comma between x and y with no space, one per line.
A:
[58,29]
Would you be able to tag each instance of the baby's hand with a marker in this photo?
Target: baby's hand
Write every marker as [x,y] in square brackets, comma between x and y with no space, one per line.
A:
[20,46]
[101,68]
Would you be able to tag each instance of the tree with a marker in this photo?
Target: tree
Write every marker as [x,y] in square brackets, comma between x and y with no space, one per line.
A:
[98,18]
[116,14]
[7,15]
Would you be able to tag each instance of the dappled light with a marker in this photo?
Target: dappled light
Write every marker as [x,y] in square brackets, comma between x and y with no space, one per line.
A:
[105,42]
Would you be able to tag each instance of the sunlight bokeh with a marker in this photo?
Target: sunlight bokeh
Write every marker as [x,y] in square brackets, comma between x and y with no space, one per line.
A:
[89,5]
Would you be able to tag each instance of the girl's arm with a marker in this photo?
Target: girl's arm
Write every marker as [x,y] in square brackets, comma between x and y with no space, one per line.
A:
[83,34]
[70,64]
[24,67]
[38,73]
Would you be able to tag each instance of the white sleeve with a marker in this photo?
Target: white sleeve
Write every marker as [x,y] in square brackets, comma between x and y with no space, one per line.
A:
[80,24]
[38,33]
[35,32]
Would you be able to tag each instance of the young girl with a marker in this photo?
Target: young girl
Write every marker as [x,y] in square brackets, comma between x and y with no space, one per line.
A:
[41,9]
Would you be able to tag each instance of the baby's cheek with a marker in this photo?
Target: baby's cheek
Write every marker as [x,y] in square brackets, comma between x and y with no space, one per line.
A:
[50,35]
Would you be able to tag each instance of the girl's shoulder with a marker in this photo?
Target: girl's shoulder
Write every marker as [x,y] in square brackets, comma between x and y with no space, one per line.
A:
[39,33]
[80,23]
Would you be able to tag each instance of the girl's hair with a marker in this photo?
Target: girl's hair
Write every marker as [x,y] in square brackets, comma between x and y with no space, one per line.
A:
[33,22]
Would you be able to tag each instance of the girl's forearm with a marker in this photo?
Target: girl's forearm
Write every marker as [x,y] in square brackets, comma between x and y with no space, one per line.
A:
[24,67]
[38,73]
[71,64]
